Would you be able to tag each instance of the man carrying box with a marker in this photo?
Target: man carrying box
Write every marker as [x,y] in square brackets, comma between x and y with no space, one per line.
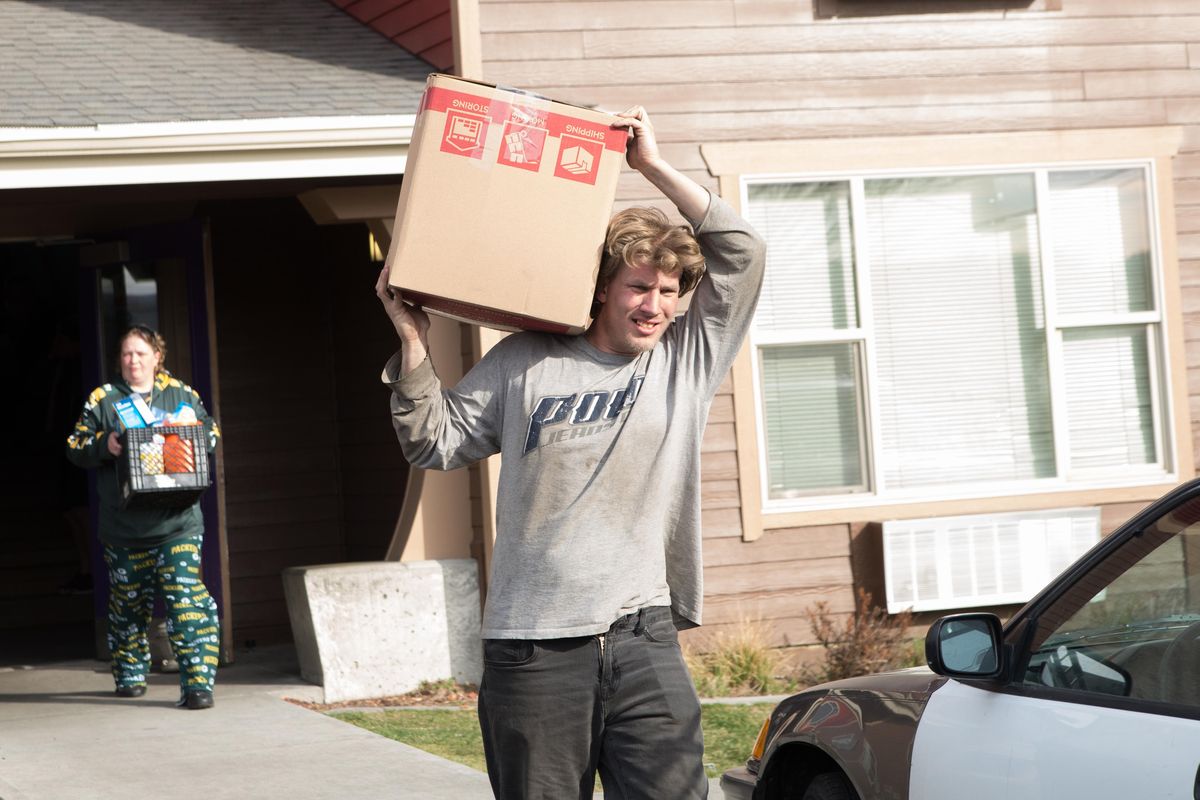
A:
[597,558]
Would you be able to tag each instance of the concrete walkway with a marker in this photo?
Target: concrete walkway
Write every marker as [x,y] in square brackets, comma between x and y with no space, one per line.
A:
[64,735]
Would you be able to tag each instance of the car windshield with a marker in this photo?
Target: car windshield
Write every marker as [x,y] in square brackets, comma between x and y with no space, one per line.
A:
[1131,626]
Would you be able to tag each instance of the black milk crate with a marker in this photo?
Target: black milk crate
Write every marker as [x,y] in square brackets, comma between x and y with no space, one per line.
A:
[141,469]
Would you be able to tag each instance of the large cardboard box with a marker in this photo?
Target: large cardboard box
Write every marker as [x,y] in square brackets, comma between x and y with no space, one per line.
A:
[504,205]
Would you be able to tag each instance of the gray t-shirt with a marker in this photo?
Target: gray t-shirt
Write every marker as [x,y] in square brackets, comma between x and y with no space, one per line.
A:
[598,507]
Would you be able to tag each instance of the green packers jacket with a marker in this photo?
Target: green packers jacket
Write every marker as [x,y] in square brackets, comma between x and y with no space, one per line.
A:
[87,447]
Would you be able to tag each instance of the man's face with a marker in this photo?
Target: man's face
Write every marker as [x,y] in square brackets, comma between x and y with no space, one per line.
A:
[637,306]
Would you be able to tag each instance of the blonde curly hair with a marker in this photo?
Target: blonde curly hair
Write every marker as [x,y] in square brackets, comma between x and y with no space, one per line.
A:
[645,237]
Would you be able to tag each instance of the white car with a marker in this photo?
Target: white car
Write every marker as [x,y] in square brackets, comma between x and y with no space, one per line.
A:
[1091,690]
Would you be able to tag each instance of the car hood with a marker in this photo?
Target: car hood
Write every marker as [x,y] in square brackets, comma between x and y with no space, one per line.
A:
[914,684]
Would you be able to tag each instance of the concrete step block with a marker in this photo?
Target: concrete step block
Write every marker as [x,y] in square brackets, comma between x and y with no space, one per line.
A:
[368,630]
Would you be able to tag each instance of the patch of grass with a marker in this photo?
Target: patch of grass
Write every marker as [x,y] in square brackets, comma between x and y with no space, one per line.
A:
[450,733]
[453,734]
[729,733]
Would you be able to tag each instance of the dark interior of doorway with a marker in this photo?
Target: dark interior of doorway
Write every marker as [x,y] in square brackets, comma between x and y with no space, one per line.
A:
[45,612]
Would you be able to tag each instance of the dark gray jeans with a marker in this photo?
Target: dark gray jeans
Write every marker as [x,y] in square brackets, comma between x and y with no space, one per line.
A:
[554,711]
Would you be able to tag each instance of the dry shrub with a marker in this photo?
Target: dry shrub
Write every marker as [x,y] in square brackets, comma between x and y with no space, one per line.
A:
[869,640]
[739,662]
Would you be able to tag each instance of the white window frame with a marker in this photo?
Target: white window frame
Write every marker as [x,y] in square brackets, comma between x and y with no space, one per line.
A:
[863,336]
[735,163]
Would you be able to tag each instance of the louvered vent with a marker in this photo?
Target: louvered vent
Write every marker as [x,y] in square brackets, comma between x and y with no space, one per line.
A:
[981,560]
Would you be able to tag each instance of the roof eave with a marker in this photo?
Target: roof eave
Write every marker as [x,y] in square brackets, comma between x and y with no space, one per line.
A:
[185,152]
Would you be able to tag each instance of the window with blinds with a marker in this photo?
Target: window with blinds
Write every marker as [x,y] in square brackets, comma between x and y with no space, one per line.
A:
[957,331]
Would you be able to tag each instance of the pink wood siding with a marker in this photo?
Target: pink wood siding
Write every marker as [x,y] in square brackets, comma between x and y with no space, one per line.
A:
[721,70]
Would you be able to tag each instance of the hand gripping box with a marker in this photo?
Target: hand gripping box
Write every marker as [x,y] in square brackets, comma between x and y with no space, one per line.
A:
[504,206]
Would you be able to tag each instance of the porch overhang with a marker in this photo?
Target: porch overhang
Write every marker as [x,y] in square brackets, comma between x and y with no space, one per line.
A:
[191,152]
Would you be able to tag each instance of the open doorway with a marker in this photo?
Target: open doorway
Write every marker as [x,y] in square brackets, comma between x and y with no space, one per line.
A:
[46,607]
[65,306]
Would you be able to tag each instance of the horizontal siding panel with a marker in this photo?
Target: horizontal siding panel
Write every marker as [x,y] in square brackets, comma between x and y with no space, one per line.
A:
[796,66]
[252,635]
[721,410]
[1141,83]
[364,482]
[533,46]
[631,184]
[717,438]
[248,437]
[267,613]
[719,523]
[826,541]
[1193,380]
[836,93]
[1127,8]
[281,536]
[274,562]
[1189,271]
[912,121]
[249,513]
[880,36]
[736,579]
[1191,138]
[259,589]
[1189,245]
[1187,220]
[789,632]
[772,12]
[1183,111]
[616,14]
[1186,165]
[251,465]
[1187,193]
[782,604]
[370,427]
[719,467]
[276,486]
[719,494]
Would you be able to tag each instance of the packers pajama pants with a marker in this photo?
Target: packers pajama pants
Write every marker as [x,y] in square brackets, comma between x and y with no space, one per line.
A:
[171,570]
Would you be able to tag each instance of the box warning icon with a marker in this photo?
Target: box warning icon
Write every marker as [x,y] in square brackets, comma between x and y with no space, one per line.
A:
[578,159]
[522,146]
[465,134]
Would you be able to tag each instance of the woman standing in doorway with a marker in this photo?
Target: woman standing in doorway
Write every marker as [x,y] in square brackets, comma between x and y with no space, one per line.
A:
[150,552]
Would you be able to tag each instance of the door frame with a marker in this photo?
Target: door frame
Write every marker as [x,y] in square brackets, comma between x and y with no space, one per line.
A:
[188,241]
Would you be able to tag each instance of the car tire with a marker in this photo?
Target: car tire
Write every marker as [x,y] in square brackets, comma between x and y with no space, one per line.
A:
[829,786]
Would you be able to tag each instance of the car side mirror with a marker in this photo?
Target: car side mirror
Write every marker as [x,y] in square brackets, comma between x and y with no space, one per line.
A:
[966,646]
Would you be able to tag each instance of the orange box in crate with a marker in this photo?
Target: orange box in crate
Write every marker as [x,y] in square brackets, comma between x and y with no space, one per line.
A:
[163,467]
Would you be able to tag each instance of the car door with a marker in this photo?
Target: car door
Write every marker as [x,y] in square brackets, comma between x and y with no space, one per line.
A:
[1102,695]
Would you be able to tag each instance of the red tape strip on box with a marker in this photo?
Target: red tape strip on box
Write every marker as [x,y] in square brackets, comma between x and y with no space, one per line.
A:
[501,111]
